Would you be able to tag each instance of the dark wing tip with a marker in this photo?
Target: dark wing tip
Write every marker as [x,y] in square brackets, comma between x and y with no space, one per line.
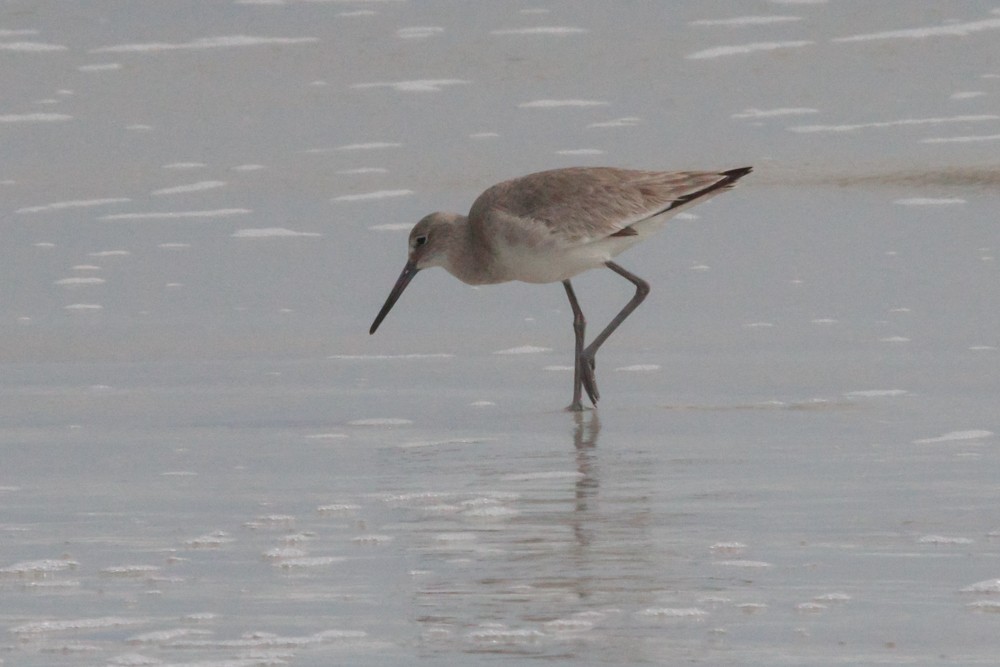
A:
[626,231]
[729,180]
[734,175]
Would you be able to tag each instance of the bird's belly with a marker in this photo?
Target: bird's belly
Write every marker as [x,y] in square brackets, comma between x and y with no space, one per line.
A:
[554,264]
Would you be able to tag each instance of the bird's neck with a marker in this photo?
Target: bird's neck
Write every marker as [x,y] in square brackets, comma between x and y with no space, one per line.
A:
[470,255]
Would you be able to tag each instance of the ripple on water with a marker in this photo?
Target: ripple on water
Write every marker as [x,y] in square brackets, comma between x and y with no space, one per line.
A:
[956,436]
[271,233]
[213,540]
[667,613]
[64,625]
[130,570]
[307,562]
[498,634]
[38,568]
[989,586]
[380,421]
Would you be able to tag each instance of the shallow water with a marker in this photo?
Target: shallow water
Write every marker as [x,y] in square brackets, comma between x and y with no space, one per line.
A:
[207,460]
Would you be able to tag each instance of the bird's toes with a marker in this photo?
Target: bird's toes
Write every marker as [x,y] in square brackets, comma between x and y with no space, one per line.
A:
[590,381]
[592,392]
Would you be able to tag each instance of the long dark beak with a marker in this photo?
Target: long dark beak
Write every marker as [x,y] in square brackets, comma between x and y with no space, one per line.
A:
[404,279]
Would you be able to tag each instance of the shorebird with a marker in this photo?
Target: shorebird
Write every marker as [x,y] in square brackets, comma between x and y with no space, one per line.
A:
[549,226]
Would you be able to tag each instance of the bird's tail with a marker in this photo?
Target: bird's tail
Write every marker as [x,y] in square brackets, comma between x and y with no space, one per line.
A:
[727,181]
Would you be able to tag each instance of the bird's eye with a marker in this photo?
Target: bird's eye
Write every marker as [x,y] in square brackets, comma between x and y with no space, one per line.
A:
[419,241]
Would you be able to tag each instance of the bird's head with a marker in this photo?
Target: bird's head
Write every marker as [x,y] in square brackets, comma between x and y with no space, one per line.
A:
[428,245]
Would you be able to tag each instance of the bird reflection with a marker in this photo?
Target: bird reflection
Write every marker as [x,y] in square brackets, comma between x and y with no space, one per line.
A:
[586,429]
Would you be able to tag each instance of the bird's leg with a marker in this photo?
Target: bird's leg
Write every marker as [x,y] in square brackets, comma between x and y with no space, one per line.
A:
[579,325]
[588,354]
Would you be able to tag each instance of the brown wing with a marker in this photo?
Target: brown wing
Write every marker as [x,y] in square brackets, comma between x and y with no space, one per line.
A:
[582,204]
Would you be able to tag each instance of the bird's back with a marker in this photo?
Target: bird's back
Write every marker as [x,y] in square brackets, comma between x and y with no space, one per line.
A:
[582,204]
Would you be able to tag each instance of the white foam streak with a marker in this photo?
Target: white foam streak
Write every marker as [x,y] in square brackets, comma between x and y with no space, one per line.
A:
[552,104]
[178,215]
[419,32]
[31,47]
[991,586]
[742,49]
[270,233]
[261,642]
[38,568]
[385,357]
[639,368]
[524,349]
[363,170]
[967,95]
[740,21]
[381,421]
[75,203]
[540,30]
[105,622]
[627,121]
[950,30]
[673,612]
[192,187]
[956,436]
[73,282]
[378,194]
[944,540]
[224,41]
[903,122]
[414,86]
[961,139]
[34,117]
[927,201]
[772,113]
[185,165]
[100,67]
[370,146]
